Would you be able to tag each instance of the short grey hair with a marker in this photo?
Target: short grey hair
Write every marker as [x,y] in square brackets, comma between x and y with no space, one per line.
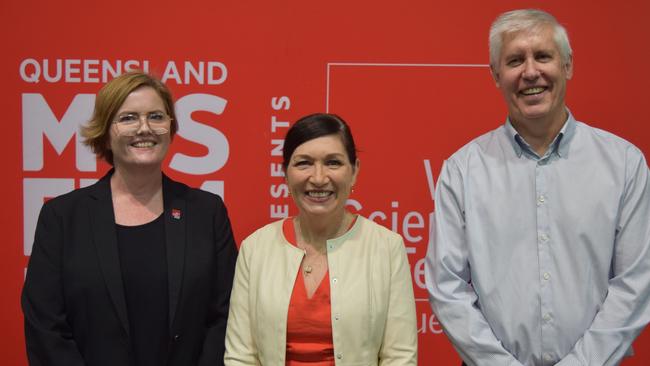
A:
[526,20]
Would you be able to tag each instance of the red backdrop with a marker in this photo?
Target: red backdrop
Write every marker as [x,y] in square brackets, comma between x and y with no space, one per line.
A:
[410,77]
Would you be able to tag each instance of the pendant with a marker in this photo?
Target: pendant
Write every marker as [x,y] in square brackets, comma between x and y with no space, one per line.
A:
[307,269]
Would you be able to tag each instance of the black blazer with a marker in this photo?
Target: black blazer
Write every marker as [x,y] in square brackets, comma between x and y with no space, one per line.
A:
[73,299]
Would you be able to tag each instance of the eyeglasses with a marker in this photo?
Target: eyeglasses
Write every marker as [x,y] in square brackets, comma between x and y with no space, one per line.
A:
[128,124]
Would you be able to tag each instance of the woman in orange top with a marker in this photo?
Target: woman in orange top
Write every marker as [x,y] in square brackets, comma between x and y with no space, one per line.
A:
[326,287]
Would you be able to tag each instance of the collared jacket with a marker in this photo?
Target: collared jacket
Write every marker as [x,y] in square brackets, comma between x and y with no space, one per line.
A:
[74,301]
[372,303]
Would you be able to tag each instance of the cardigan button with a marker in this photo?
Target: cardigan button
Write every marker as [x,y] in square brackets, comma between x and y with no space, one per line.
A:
[177,337]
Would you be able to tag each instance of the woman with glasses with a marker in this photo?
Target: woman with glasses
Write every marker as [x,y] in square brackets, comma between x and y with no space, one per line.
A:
[325,287]
[135,269]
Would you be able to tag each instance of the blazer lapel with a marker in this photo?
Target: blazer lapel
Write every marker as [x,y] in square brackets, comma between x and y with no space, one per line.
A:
[102,220]
[175,229]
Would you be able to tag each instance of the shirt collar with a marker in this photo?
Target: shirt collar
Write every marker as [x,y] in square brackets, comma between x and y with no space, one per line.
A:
[560,144]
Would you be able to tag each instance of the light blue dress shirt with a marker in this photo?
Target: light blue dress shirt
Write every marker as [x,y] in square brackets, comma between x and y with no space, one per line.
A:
[542,260]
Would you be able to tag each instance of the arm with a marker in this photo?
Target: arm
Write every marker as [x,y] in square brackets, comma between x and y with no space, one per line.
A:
[226,255]
[626,309]
[240,346]
[448,279]
[400,343]
[48,336]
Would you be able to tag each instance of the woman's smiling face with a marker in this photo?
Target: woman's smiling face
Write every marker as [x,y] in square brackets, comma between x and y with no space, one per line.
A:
[320,176]
[145,147]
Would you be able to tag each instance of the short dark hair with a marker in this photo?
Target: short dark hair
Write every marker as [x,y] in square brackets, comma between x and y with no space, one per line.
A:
[314,126]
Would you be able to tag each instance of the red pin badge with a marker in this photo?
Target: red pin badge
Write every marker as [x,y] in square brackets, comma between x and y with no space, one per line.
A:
[176,213]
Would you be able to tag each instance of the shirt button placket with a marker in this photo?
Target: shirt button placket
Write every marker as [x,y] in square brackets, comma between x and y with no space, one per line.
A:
[547,318]
[545,261]
[548,357]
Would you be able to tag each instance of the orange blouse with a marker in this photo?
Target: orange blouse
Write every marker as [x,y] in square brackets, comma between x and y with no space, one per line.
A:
[309,322]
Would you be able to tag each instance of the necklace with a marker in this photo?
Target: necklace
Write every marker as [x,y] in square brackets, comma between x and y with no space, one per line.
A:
[308,268]
[316,257]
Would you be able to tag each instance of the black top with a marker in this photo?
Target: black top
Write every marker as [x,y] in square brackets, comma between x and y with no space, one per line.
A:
[143,261]
[74,301]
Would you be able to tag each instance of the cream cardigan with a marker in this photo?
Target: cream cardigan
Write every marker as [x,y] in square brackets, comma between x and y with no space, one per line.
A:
[373,308]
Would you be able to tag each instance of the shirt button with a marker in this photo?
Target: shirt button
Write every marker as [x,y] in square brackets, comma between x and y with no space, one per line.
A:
[547,276]
[339,356]
[335,280]
[543,237]
[177,337]
[547,317]
[548,357]
[541,199]
[337,317]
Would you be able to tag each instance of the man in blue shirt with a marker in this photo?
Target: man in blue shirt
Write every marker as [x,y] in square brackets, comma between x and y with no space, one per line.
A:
[541,253]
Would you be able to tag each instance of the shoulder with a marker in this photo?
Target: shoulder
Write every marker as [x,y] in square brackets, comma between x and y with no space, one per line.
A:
[606,139]
[195,196]
[368,226]
[72,200]
[378,235]
[265,236]
[479,146]
[272,228]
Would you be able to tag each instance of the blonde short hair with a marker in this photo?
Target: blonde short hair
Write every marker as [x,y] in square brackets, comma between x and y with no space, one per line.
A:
[96,132]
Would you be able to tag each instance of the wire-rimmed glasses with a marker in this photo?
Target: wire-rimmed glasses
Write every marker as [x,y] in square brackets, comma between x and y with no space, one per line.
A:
[128,124]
